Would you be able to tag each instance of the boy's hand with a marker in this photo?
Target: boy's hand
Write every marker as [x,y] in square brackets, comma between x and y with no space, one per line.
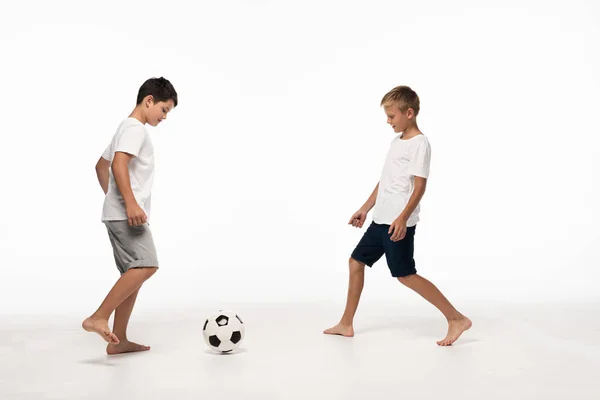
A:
[136,215]
[398,227]
[358,219]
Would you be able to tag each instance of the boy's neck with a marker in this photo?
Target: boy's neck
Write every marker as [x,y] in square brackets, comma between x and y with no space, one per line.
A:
[411,132]
[138,114]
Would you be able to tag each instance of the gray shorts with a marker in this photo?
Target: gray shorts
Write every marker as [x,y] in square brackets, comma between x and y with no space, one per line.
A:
[133,246]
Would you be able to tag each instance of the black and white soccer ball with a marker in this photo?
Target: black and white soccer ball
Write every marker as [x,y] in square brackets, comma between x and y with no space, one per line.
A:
[223,331]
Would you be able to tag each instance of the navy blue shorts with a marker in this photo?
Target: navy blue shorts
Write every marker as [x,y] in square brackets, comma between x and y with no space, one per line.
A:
[399,255]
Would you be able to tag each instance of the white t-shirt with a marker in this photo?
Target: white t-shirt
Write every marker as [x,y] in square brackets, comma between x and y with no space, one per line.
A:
[133,138]
[405,160]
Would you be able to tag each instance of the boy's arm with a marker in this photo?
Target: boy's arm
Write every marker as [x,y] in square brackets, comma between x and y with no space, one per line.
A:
[398,227]
[135,214]
[120,170]
[359,217]
[419,187]
[102,168]
[370,203]
[419,169]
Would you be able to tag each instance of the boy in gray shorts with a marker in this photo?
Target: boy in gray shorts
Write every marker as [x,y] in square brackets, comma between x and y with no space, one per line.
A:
[125,172]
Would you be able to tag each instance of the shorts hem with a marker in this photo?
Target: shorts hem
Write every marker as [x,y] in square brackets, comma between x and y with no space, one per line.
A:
[147,262]
[404,274]
[361,261]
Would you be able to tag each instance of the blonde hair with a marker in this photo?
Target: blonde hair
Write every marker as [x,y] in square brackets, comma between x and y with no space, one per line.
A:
[403,97]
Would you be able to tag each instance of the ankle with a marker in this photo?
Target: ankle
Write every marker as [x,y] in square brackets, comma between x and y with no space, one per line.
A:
[98,317]
[455,317]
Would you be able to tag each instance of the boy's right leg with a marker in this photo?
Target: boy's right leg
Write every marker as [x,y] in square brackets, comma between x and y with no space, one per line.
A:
[368,250]
[355,286]
[129,282]
[135,257]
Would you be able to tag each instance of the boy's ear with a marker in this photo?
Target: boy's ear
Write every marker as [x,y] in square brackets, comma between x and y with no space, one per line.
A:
[149,100]
[410,113]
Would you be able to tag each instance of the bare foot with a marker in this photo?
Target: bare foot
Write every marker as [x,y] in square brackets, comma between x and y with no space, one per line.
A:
[125,346]
[340,329]
[100,326]
[455,329]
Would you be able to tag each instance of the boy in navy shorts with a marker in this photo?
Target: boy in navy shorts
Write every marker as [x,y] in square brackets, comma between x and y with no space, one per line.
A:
[395,203]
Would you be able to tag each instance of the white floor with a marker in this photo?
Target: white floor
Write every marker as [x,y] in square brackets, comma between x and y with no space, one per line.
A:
[512,352]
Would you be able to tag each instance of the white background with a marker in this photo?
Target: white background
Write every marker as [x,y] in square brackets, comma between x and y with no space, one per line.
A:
[279,138]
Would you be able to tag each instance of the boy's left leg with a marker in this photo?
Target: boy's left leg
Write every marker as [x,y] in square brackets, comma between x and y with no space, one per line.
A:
[128,283]
[457,323]
[402,266]
[122,315]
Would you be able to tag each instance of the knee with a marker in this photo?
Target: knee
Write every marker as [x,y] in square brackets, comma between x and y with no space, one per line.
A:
[142,273]
[356,266]
[149,271]
[406,280]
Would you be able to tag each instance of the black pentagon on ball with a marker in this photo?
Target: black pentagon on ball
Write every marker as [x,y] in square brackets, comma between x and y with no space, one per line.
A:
[236,337]
[214,341]
[239,319]
[222,320]
[205,323]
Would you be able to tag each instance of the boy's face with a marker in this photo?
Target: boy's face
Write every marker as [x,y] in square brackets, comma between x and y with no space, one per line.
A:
[156,112]
[398,120]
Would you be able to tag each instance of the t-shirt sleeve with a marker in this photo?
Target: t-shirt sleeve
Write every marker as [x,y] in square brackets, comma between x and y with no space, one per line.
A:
[107,154]
[421,159]
[131,140]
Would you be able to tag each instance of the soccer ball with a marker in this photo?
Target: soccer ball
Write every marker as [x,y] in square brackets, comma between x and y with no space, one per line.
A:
[224,331]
